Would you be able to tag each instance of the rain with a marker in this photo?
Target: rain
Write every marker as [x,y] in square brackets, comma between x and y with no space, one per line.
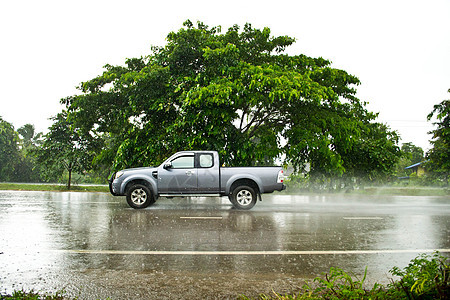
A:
[92,245]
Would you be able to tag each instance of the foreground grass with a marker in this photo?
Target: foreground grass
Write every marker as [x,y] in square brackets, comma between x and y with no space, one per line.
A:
[52,187]
[426,277]
[32,295]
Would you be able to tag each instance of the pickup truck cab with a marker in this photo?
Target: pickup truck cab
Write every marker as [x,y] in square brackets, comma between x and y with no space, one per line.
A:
[195,173]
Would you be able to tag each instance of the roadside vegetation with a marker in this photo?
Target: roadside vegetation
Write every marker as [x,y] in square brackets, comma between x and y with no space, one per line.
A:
[386,190]
[52,187]
[32,295]
[391,190]
[426,277]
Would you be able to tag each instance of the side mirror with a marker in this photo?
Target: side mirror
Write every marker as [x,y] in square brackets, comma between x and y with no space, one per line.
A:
[167,165]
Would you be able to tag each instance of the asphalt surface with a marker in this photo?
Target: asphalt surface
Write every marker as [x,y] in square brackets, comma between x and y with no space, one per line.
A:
[93,246]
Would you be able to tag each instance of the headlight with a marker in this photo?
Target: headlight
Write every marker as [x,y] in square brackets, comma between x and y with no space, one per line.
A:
[118,174]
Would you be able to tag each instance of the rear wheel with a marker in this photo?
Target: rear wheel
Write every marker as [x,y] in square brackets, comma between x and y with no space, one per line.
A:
[243,197]
[139,196]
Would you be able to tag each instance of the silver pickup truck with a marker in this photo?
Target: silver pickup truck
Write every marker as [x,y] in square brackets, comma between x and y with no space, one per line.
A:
[196,173]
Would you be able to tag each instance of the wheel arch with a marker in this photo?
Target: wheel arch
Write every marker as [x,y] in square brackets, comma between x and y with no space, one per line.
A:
[242,182]
[143,181]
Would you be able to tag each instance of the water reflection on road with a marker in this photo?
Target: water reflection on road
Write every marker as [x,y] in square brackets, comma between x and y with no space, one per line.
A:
[51,241]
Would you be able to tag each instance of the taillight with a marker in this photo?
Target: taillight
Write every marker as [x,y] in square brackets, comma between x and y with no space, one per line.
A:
[280,177]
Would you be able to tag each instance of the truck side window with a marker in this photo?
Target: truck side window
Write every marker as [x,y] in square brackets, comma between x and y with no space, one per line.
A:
[206,160]
[183,162]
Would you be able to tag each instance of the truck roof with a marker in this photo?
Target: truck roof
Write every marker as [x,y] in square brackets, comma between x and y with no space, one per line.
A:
[197,151]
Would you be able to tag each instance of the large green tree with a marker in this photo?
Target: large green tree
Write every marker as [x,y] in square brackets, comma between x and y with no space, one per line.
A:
[9,151]
[414,153]
[17,161]
[439,155]
[237,93]
[30,138]
[64,149]
[27,168]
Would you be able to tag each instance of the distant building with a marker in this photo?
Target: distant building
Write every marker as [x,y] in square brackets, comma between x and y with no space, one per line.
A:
[417,168]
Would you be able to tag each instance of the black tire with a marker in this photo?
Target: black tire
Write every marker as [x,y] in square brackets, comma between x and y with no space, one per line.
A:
[139,196]
[243,197]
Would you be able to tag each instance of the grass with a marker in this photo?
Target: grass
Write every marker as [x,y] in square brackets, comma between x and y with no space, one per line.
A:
[52,187]
[386,191]
[403,191]
[32,295]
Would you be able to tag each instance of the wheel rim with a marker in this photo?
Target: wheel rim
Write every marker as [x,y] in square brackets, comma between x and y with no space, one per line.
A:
[138,196]
[244,197]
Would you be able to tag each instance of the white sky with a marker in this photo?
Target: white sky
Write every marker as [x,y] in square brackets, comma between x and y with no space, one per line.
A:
[399,49]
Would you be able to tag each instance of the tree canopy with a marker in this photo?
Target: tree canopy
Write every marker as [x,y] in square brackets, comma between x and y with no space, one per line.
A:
[236,92]
[65,149]
[9,151]
[17,162]
[439,155]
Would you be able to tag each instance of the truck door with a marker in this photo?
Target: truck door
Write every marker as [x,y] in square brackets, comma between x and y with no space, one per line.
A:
[178,176]
[207,172]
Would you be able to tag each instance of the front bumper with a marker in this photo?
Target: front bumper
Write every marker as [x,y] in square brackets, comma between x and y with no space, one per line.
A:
[112,188]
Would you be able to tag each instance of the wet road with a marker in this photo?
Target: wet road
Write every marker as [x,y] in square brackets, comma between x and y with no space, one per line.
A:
[93,245]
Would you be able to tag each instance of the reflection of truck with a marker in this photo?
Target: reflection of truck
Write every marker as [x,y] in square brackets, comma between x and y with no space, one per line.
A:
[191,173]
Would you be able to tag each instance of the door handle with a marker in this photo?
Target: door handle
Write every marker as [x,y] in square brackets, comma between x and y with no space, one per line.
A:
[189,173]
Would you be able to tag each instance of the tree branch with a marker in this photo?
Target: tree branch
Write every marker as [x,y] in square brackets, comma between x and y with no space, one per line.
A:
[244,112]
[255,117]
[261,122]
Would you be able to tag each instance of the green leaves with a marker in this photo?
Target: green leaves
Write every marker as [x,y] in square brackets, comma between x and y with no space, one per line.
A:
[426,277]
[9,150]
[66,148]
[439,155]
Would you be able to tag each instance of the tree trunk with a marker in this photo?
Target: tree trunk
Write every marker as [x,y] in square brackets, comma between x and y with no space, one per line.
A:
[70,178]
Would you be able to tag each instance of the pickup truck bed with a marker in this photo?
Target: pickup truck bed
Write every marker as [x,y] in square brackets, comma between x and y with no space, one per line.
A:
[267,176]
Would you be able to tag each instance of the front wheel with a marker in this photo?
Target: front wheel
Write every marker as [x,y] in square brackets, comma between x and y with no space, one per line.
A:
[139,196]
[243,197]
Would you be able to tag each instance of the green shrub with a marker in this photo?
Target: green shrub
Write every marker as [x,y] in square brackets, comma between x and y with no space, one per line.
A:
[426,277]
